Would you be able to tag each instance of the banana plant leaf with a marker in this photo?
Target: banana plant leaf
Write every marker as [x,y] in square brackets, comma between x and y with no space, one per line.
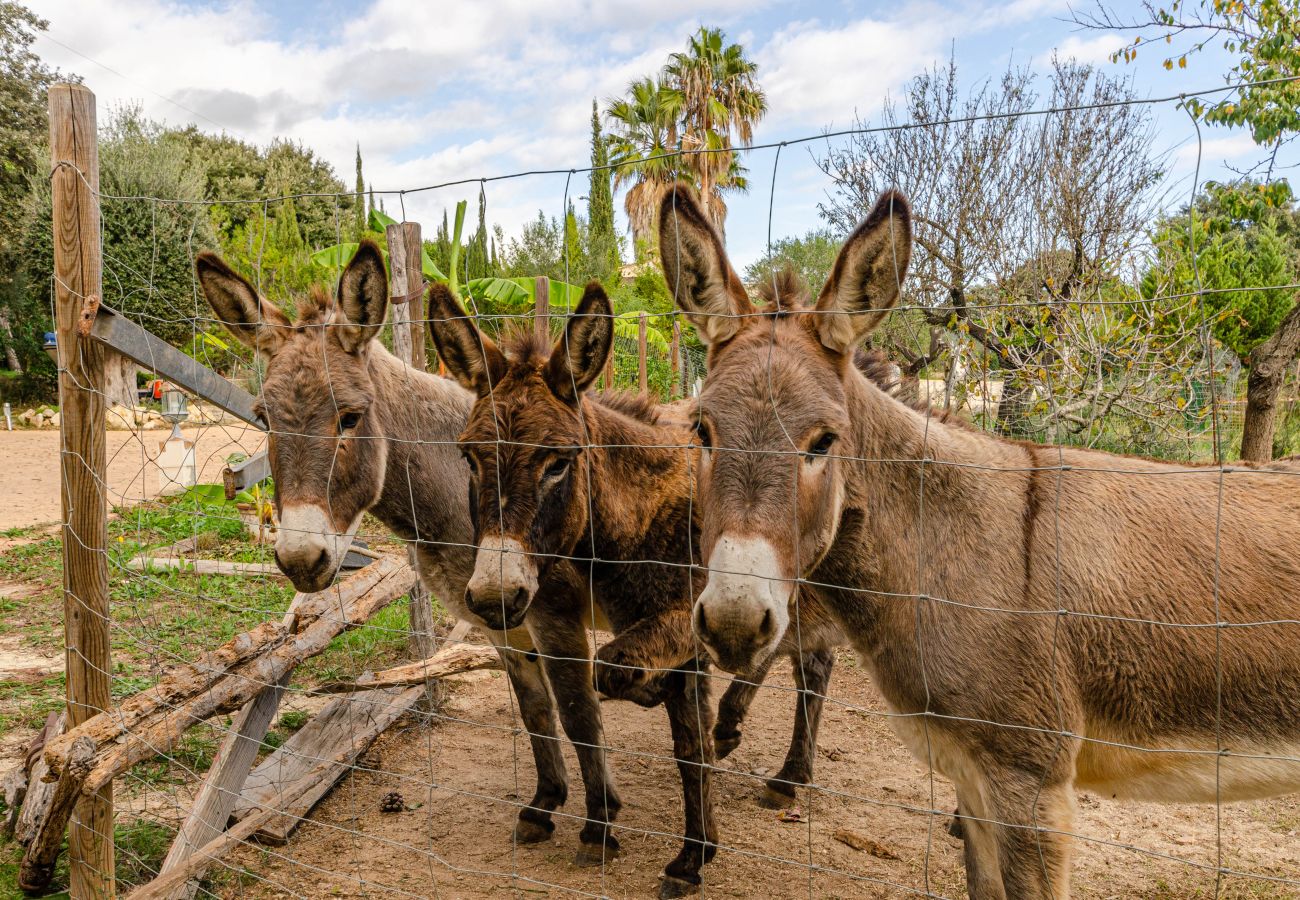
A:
[338,256]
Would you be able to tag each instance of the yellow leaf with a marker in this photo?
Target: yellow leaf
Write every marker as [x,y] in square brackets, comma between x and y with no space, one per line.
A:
[1182,62]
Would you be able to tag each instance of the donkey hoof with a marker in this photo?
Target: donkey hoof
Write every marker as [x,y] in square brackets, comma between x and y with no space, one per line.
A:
[670,887]
[528,832]
[591,855]
[724,744]
[775,798]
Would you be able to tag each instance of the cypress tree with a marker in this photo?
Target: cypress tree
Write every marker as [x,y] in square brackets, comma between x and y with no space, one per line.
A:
[602,239]
[359,201]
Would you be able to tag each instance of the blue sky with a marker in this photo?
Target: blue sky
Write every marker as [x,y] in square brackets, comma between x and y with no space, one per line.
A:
[436,92]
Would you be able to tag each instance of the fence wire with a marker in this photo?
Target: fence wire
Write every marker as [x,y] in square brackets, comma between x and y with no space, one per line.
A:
[425,804]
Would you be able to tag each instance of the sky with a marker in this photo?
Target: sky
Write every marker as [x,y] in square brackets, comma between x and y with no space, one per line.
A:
[469,89]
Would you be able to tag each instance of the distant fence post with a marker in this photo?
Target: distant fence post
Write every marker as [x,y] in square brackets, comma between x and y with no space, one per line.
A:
[408,330]
[640,353]
[674,360]
[542,306]
[78,281]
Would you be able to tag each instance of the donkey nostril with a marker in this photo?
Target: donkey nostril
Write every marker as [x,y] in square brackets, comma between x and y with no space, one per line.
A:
[766,627]
[520,598]
[701,623]
[323,560]
[469,598]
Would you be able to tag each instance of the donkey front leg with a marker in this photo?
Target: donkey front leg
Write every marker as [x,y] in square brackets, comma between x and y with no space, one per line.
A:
[524,669]
[566,656]
[639,655]
[812,676]
[1016,835]
[734,707]
[689,716]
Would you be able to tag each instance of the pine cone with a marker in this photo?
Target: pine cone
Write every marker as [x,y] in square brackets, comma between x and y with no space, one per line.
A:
[392,803]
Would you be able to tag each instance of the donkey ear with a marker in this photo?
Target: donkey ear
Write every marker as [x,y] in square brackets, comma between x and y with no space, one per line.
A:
[868,275]
[695,264]
[363,298]
[250,318]
[470,355]
[581,352]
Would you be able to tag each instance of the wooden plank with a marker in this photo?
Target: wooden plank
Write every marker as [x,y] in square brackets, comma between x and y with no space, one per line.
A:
[202,566]
[542,306]
[226,778]
[78,277]
[342,731]
[241,476]
[156,355]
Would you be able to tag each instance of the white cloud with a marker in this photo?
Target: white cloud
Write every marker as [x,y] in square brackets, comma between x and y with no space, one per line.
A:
[1094,50]
[817,75]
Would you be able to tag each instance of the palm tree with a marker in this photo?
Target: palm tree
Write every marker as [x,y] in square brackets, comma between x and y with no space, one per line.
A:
[642,150]
[719,95]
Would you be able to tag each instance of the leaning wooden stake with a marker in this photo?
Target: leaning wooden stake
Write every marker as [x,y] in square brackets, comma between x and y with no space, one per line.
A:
[78,276]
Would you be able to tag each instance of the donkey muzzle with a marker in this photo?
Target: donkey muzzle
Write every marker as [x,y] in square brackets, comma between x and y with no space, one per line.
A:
[503,584]
[744,609]
[308,548]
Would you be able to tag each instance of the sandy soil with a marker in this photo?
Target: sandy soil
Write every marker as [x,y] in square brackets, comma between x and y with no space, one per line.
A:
[462,775]
[29,467]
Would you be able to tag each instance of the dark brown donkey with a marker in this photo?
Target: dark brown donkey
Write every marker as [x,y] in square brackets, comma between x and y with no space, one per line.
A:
[355,430]
[1039,619]
[583,519]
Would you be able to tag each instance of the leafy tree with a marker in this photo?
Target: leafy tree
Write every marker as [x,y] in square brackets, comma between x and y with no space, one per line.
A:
[1261,34]
[24,81]
[810,256]
[602,247]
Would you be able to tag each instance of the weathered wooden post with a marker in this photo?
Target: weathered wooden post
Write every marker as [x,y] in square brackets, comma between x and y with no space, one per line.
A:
[674,360]
[78,281]
[642,384]
[404,250]
[542,306]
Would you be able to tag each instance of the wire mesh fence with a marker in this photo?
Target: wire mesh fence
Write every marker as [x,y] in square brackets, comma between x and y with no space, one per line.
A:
[270,735]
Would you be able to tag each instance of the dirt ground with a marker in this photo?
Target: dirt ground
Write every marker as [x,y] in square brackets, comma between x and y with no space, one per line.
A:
[29,476]
[462,776]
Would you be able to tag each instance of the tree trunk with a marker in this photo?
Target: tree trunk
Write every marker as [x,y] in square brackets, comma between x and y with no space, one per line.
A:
[1013,410]
[7,333]
[1268,365]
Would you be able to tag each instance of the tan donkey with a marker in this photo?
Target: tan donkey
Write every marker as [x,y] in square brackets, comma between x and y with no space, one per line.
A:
[1039,619]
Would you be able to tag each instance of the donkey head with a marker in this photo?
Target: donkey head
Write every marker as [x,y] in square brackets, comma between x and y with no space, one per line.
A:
[772,415]
[327,453]
[524,443]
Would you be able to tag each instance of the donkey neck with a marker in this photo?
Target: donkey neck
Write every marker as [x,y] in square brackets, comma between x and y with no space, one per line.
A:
[641,485]
[425,482]
[928,503]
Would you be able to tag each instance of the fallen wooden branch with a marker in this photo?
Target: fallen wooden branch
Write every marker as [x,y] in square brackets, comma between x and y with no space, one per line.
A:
[188,566]
[451,660]
[37,868]
[25,794]
[161,733]
[343,730]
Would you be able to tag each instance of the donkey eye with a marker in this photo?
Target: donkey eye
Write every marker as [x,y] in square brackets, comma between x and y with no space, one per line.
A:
[349,420]
[556,469]
[823,445]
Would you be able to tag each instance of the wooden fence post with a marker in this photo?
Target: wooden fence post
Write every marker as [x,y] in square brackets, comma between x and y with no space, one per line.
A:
[542,306]
[641,353]
[78,277]
[674,360]
[404,251]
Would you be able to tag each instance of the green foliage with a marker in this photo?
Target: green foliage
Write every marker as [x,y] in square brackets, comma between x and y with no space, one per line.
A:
[1234,243]
[1261,34]
[359,201]
[811,257]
